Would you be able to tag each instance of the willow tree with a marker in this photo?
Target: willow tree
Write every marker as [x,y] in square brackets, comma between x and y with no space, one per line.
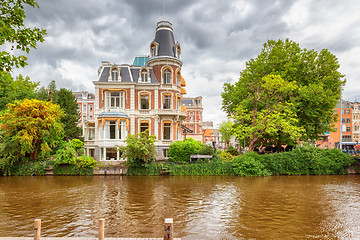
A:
[316,79]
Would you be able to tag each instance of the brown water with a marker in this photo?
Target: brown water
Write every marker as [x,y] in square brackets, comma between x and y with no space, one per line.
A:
[285,207]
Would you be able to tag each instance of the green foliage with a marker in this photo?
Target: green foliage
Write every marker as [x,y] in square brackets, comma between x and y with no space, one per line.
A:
[67,102]
[300,161]
[206,150]
[180,151]
[30,127]
[72,170]
[24,169]
[263,108]
[225,156]
[232,150]
[145,169]
[227,131]
[85,161]
[250,164]
[18,89]
[14,33]
[66,155]
[211,169]
[139,149]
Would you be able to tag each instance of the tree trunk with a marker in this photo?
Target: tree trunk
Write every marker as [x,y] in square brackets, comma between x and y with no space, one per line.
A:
[279,146]
[252,144]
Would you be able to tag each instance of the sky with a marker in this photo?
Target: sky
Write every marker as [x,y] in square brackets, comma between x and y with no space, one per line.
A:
[217,38]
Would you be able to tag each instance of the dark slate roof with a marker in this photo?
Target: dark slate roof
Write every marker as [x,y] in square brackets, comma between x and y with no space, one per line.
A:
[187,102]
[135,74]
[153,78]
[124,74]
[113,114]
[165,39]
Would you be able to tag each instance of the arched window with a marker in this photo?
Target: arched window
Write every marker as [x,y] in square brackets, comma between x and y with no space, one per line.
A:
[144,76]
[114,74]
[167,76]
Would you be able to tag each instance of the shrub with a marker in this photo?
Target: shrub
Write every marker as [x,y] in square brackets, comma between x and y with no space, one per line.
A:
[225,156]
[202,169]
[250,164]
[180,151]
[232,150]
[206,150]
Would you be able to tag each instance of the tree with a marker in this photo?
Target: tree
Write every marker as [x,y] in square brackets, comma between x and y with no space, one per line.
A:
[31,127]
[226,130]
[139,149]
[67,102]
[268,113]
[11,90]
[317,84]
[14,34]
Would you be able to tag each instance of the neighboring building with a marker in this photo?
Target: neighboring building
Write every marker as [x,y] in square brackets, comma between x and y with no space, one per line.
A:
[86,107]
[208,125]
[332,139]
[194,119]
[355,122]
[143,96]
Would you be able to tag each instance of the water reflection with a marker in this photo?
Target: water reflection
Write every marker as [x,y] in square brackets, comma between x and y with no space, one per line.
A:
[291,207]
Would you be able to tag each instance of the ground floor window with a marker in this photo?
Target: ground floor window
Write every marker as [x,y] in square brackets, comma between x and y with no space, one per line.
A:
[110,154]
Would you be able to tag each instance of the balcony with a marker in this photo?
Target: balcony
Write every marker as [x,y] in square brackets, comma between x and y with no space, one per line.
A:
[171,112]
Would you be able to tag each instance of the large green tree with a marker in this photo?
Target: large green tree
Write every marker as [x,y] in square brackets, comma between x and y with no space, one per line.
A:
[18,89]
[30,127]
[67,102]
[14,35]
[317,83]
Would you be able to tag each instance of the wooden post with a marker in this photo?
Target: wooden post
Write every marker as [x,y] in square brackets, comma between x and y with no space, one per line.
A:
[101,229]
[37,229]
[169,229]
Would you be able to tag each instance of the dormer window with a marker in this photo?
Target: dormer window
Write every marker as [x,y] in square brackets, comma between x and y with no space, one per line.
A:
[114,74]
[167,76]
[144,76]
[152,50]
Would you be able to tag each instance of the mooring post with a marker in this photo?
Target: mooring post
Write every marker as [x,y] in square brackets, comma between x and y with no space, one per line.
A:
[169,229]
[101,229]
[37,229]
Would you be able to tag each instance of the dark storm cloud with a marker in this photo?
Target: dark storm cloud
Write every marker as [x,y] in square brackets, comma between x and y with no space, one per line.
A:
[216,37]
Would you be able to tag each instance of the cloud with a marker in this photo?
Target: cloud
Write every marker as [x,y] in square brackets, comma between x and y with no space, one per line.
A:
[217,38]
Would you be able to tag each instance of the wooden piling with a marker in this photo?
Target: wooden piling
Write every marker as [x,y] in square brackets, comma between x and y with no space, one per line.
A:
[101,229]
[37,229]
[169,229]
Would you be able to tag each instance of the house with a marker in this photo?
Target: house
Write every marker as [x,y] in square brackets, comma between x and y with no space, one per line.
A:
[144,95]
[194,120]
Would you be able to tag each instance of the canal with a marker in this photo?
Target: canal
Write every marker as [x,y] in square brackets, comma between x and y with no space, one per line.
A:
[203,207]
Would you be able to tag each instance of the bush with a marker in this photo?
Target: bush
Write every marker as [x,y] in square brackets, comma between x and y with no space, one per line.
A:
[225,156]
[180,151]
[202,169]
[206,150]
[250,164]
[232,150]
[25,169]
[146,169]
